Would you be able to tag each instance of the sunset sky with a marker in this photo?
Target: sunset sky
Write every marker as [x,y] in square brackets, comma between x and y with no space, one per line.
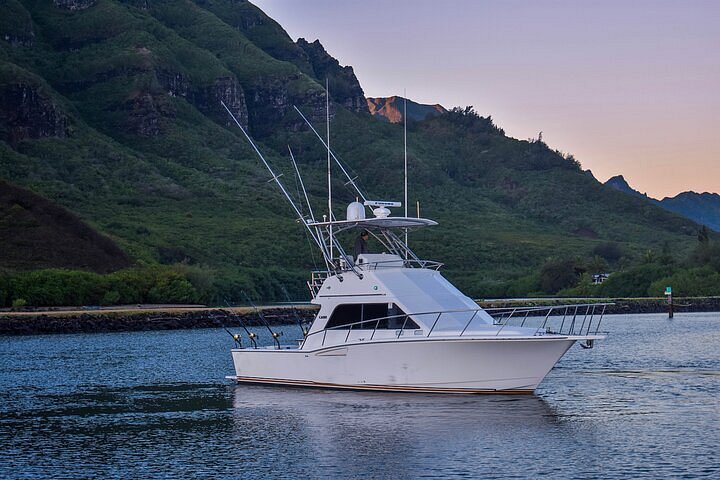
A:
[628,88]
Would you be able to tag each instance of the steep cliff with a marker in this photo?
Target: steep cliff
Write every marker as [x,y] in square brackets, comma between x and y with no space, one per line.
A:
[391,109]
[343,84]
[27,108]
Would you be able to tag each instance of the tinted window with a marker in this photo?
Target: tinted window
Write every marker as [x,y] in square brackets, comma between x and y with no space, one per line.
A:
[366,316]
[345,315]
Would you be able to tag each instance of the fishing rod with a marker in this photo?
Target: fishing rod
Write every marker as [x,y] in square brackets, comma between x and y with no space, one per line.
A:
[260,315]
[298,320]
[251,335]
[235,336]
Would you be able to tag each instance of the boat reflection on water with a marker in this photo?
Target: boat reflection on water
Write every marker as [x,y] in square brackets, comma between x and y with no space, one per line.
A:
[360,433]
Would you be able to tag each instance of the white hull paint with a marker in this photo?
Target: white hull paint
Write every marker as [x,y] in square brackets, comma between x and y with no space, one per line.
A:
[442,365]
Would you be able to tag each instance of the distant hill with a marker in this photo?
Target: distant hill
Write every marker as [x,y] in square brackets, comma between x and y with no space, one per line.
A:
[37,233]
[703,208]
[111,109]
[618,182]
[390,109]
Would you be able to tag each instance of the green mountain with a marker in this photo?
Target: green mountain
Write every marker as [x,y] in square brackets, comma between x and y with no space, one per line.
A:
[112,109]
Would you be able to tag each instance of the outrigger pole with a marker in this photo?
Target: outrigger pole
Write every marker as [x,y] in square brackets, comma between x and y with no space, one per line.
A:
[350,179]
[315,237]
[302,184]
[316,231]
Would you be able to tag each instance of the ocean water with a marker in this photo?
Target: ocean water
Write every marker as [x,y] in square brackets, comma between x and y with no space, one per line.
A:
[645,403]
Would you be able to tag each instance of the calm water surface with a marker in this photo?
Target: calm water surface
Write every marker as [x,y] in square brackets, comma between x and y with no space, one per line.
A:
[643,403]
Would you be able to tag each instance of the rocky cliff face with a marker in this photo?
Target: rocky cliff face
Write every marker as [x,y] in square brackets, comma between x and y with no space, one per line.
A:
[344,86]
[74,5]
[17,27]
[270,104]
[207,98]
[228,90]
[27,113]
[391,109]
[145,114]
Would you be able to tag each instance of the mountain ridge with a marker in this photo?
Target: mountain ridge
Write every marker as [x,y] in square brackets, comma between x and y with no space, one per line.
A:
[703,208]
[138,146]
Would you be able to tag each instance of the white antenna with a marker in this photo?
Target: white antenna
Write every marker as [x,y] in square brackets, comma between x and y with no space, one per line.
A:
[405,153]
[327,118]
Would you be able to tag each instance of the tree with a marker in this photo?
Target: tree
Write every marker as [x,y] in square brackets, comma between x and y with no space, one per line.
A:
[597,264]
[649,256]
[609,251]
[703,235]
[558,274]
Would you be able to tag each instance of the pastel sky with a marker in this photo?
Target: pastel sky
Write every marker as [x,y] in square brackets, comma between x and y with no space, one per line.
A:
[627,87]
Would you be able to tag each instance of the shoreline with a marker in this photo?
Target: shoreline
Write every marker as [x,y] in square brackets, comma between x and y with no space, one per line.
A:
[144,319]
[180,317]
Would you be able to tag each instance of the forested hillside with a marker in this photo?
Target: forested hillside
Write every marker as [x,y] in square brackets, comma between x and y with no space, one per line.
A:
[112,109]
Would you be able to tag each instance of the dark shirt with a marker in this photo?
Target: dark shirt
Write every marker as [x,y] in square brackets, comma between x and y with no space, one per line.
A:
[360,247]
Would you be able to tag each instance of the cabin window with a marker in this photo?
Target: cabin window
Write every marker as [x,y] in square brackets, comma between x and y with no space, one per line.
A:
[366,315]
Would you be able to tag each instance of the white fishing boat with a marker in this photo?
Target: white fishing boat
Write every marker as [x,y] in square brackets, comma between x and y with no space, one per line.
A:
[390,321]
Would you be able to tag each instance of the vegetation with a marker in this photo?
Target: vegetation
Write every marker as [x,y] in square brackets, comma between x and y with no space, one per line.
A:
[697,274]
[149,159]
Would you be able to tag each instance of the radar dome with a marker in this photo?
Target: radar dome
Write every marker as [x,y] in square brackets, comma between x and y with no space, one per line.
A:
[356,211]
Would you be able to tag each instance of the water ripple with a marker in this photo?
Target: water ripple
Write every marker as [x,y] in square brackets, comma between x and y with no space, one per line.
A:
[642,404]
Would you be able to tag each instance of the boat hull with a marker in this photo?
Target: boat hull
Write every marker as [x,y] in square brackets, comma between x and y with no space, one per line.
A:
[463,365]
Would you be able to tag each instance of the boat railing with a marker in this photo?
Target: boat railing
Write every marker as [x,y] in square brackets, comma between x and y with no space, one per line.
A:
[406,263]
[317,277]
[570,320]
[373,323]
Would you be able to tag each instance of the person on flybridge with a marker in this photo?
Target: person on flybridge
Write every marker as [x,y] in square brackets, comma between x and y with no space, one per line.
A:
[361,244]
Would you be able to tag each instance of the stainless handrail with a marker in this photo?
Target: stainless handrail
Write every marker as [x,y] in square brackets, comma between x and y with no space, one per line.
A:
[319,276]
[503,322]
[405,263]
[590,309]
